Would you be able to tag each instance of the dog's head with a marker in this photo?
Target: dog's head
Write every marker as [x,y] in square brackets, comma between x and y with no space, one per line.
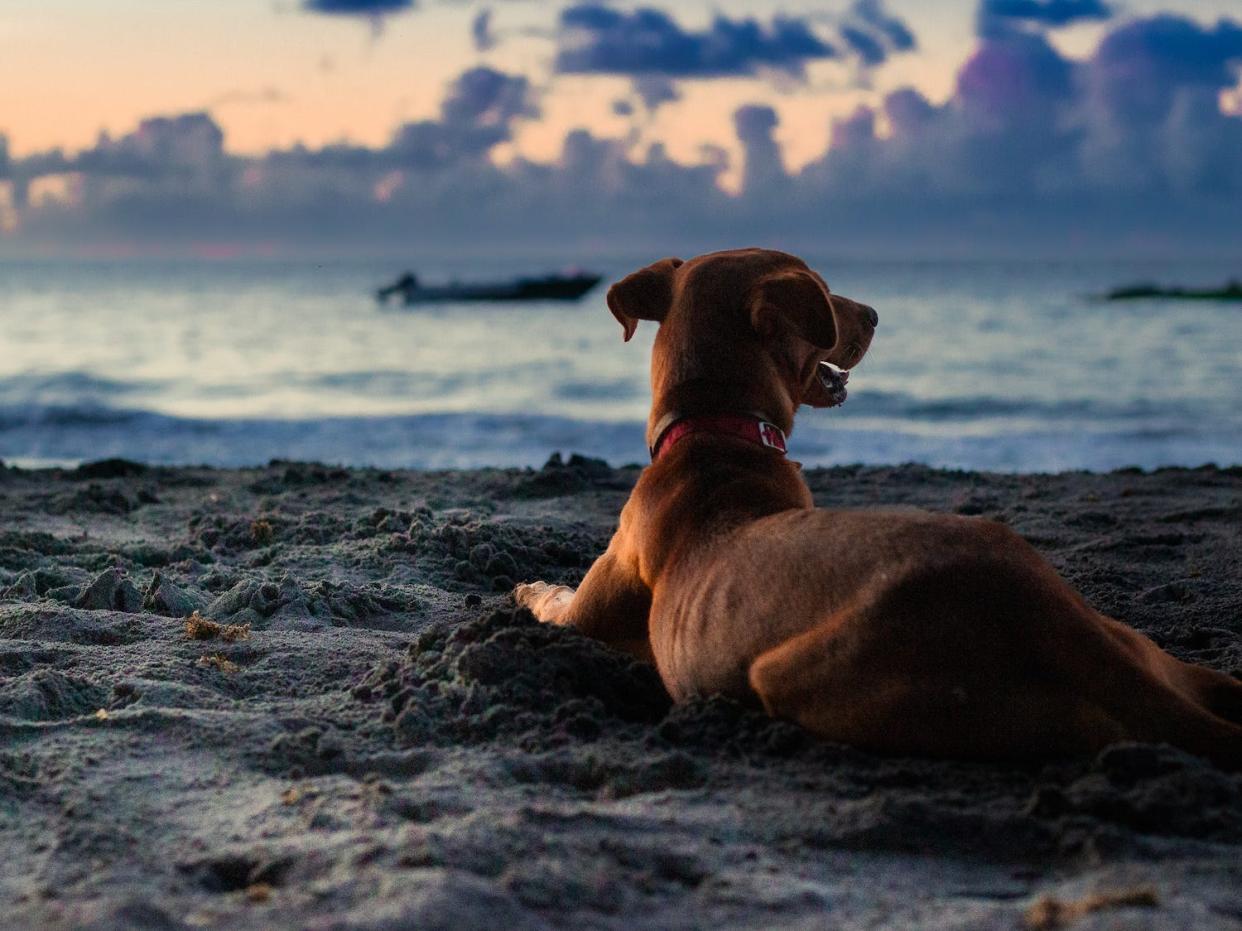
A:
[754,324]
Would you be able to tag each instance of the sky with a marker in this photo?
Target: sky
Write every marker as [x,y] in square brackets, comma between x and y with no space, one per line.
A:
[920,127]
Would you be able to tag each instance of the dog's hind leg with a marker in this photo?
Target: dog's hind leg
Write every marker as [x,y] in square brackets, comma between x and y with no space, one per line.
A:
[833,681]
[1162,698]
[847,680]
[1218,692]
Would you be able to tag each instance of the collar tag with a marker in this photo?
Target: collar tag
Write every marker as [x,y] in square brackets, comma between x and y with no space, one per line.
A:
[772,436]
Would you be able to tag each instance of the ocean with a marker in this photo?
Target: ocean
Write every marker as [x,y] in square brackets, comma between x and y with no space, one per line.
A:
[975,365]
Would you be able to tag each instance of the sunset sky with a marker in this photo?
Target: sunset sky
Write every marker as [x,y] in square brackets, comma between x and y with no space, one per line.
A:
[379,115]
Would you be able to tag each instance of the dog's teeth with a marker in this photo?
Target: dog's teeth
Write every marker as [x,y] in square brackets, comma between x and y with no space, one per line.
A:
[833,380]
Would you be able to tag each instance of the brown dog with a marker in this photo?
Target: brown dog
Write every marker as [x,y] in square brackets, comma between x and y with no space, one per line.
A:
[899,631]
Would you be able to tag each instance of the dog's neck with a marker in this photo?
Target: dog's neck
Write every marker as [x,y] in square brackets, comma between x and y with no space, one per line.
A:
[713,478]
[752,427]
[716,397]
[707,484]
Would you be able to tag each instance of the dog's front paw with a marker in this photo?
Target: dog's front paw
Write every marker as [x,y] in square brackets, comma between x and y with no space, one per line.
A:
[546,602]
[527,594]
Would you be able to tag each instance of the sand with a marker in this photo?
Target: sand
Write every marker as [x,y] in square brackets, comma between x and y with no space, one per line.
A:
[358,730]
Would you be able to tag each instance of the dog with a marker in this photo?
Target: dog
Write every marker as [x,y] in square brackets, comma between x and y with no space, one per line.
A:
[897,631]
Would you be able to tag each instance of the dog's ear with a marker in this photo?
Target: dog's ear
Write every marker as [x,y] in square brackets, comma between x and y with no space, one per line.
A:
[796,300]
[644,295]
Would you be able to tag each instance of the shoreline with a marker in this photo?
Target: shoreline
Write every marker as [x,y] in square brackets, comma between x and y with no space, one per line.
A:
[68,467]
[382,741]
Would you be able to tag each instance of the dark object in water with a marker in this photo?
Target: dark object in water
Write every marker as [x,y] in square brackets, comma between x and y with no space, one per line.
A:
[548,288]
[1232,291]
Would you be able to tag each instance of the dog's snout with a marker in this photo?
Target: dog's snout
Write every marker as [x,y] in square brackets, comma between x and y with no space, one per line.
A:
[872,316]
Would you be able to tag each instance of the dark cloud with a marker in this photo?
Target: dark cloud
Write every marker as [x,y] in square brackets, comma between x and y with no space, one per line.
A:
[1014,79]
[1130,142]
[373,10]
[161,147]
[358,7]
[897,33]
[763,168]
[998,16]
[869,48]
[655,91]
[477,114]
[1151,105]
[649,93]
[1142,64]
[481,31]
[874,33]
[483,97]
[908,111]
[596,39]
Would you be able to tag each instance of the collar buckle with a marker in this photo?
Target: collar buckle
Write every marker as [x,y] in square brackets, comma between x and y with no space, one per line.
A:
[749,427]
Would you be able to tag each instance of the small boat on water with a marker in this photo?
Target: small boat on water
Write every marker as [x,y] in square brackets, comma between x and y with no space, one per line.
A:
[570,287]
[1232,291]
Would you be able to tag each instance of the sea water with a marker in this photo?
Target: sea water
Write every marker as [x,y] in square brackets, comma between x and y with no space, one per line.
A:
[975,365]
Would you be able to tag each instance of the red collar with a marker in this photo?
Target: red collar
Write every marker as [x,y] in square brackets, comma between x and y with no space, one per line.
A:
[747,426]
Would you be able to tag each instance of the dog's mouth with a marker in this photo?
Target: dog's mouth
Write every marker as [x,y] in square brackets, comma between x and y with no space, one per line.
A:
[833,379]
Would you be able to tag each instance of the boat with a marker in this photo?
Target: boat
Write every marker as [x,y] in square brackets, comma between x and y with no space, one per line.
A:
[1232,291]
[569,287]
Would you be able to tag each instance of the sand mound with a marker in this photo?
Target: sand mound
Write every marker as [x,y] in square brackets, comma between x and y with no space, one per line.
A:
[507,677]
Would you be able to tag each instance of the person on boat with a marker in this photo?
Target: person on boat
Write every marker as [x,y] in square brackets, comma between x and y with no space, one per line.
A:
[403,286]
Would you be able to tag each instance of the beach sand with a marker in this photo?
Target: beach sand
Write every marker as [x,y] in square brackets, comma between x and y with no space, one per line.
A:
[379,740]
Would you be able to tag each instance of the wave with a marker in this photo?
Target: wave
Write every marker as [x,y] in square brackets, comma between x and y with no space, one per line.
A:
[877,403]
[447,440]
[66,397]
[66,389]
[455,440]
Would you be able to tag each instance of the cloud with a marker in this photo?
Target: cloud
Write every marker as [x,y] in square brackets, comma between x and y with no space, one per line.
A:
[655,90]
[652,92]
[998,16]
[1032,151]
[896,32]
[1151,103]
[358,7]
[1140,64]
[481,31]
[1013,80]
[762,168]
[374,10]
[1130,141]
[596,39]
[161,147]
[477,114]
[870,49]
[484,97]
[874,33]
